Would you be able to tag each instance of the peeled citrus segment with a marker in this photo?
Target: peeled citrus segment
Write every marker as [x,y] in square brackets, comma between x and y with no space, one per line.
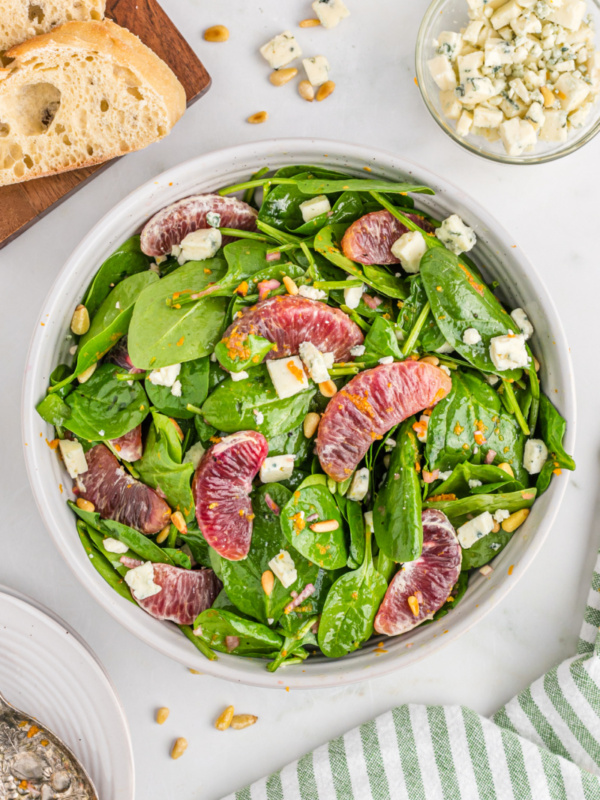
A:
[173,223]
[129,446]
[369,240]
[117,495]
[221,488]
[289,320]
[369,406]
[422,587]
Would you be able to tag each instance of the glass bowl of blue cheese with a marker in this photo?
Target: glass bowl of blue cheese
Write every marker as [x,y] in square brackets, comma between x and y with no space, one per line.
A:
[514,81]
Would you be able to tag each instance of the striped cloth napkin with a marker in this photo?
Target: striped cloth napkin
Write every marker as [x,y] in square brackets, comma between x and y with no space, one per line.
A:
[543,745]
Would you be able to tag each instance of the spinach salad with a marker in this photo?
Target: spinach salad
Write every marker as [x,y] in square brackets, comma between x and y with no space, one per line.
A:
[297,416]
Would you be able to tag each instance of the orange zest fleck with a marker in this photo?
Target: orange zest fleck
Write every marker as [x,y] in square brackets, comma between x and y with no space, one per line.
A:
[510,569]
[180,342]
[242,289]
[296,371]
[53,444]
[414,605]
[436,498]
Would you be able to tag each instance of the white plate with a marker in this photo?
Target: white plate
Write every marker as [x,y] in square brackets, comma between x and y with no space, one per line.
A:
[496,251]
[48,672]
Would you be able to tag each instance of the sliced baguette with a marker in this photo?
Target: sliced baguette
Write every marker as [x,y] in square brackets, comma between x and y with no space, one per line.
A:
[22,19]
[79,95]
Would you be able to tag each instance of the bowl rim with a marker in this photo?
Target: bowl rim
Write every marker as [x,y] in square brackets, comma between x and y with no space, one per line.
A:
[166,638]
[531,159]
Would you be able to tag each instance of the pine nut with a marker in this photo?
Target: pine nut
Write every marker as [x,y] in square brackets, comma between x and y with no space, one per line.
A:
[290,286]
[267,581]
[280,76]
[506,467]
[240,721]
[163,534]
[328,388]
[549,98]
[178,520]
[496,527]
[536,364]
[87,373]
[179,747]
[309,23]
[306,91]
[430,360]
[413,605]
[326,526]
[224,720]
[80,321]
[162,715]
[217,33]
[515,520]
[311,423]
[258,118]
[85,505]
[325,90]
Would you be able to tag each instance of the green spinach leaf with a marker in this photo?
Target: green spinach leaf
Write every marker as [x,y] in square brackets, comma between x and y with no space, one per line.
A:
[193,378]
[459,511]
[242,351]
[214,626]
[127,259]
[552,427]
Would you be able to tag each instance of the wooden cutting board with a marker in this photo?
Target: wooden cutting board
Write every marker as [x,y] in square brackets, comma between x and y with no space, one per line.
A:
[22,204]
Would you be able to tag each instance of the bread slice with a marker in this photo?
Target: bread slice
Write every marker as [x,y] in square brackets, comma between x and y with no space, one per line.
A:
[79,95]
[22,19]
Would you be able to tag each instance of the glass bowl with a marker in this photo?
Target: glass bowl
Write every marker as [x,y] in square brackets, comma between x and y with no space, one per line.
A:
[452,15]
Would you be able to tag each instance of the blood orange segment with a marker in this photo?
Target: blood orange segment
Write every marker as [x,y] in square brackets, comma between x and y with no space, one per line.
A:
[173,223]
[129,446]
[221,488]
[422,587]
[369,240]
[369,406]
[117,495]
[288,320]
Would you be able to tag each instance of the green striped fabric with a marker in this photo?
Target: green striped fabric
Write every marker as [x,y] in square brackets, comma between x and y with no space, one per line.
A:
[543,745]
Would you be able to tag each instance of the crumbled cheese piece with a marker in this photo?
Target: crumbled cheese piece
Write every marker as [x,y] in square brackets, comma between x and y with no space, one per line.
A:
[455,235]
[259,416]
[464,124]
[357,350]
[368,517]
[535,456]
[501,515]
[446,369]
[353,295]
[443,476]
[517,136]
[165,376]
[239,376]
[409,249]
[283,567]
[317,71]
[310,209]
[509,352]
[442,72]
[114,545]
[471,336]
[386,360]
[316,362]
[474,483]
[522,321]
[359,486]
[194,455]
[73,457]
[554,128]
[475,529]
[281,50]
[288,376]
[445,348]
[449,44]
[330,12]
[176,389]
[199,245]
[277,468]
[141,581]
[213,219]
[312,293]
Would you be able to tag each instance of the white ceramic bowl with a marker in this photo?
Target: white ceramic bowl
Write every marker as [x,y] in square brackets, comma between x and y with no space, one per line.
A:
[521,287]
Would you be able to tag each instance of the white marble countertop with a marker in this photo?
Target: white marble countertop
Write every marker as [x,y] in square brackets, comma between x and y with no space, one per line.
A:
[551,212]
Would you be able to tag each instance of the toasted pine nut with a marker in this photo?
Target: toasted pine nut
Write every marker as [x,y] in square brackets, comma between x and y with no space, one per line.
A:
[217,33]
[306,91]
[430,360]
[311,423]
[506,467]
[240,721]
[325,526]
[536,364]
[325,90]
[280,76]
[85,505]
[486,570]
[163,534]
[309,23]
[179,747]
[258,118]
[328,388]
[224,719]
[195,671]
[549,98]
[267,581]
[162,715]
[496,527]
[515,520]
[290,285]
[414,605]
[179,522]
[80,321]
[87,373]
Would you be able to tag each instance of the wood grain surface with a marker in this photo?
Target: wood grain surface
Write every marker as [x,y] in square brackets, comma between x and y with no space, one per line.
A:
[22,204]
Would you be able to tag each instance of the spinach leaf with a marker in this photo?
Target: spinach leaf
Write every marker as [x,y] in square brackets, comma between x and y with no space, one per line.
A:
[484,549]
[199,547]
[281,206]
[292,650]
[459,511]
[160,467]
[160,335]
[397,508]
[214,625]
[460,300]
[350,608]
[313,502]
[356,524]
[105,408]
[102,565]
[385,282]
[54,410]
[430,337]
[193,378]
[292,443]
[316,172]
[490,476]
[127,259]
[381,341]
[242,351]
[347,208]
[232,405]
[552,427]
[470,416]
[320,186]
